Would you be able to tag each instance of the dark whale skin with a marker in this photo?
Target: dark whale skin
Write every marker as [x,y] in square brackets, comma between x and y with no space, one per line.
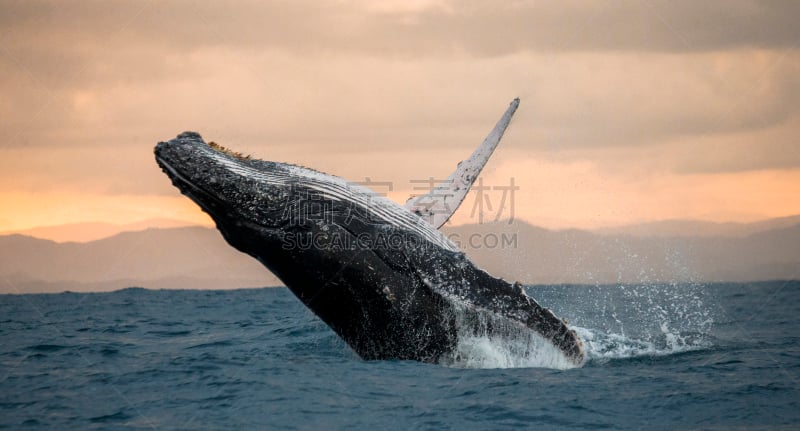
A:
[384,280]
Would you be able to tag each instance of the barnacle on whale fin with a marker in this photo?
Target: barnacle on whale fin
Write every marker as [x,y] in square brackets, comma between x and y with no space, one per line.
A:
[228,151]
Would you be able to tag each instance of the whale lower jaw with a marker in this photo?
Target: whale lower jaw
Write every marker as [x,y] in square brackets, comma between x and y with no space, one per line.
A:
[205,200]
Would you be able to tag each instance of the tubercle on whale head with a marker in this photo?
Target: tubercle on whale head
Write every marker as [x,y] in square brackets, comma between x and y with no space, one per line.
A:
[228,151]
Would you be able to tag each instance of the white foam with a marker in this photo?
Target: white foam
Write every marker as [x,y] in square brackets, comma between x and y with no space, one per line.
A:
[498,352]
[602,347]
[489,340]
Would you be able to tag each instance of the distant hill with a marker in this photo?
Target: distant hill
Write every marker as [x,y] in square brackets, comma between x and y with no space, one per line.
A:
[198,257]
[690,228]
[575,256]
[92,231]
[190,257]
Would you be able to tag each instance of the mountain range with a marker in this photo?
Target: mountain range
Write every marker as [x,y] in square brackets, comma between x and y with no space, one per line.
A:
[198,257]
[91,231]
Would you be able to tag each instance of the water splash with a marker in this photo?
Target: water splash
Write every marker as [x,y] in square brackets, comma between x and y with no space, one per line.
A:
[602,347]
[629,321]
[499,352]
[614,322]
[490,340]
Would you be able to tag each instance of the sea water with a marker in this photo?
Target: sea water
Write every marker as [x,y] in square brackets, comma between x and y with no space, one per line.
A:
[662,356]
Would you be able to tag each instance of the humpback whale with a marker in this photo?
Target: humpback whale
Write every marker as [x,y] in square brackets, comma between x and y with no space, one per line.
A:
[380,275]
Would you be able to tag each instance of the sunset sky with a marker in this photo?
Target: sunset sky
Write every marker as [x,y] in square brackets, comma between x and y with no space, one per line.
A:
[630,111]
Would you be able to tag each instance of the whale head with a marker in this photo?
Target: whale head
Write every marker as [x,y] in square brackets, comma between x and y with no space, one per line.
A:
[245,197]
[263,207]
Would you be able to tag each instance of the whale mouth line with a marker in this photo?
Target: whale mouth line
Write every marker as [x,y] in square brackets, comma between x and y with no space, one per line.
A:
[202,197]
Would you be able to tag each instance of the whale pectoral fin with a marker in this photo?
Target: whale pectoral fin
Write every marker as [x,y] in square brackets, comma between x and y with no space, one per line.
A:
[443,200]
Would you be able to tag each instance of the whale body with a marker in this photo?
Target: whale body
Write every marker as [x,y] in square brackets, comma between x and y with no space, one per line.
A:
[379,274]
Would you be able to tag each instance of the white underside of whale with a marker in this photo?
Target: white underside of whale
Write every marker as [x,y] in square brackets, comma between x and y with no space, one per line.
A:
[437,206]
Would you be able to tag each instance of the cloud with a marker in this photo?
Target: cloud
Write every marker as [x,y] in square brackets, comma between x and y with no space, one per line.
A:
[570,194]
[773,147]
[486,28]
[398,90]
[577,100]
[685,113]
[410,28]
[61,44]
[117,170]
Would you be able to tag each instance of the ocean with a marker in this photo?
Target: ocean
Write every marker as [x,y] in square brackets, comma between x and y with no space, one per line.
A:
[660,356]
